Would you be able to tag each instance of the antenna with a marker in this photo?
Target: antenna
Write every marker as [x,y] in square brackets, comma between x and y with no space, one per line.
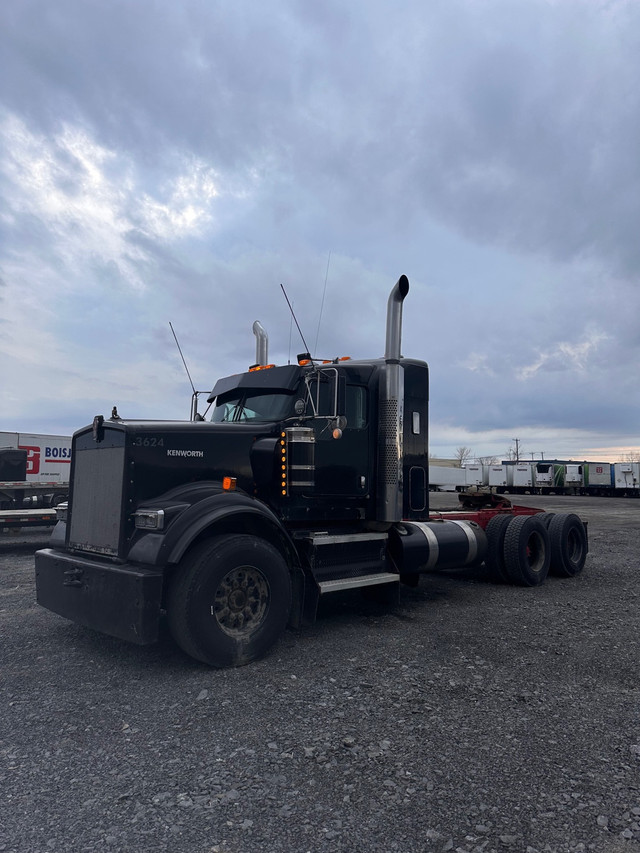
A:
[326,276]
[193,388]
[295,318]
[194,397]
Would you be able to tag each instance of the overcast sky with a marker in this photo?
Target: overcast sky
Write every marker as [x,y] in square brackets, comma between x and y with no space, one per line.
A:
[177,161]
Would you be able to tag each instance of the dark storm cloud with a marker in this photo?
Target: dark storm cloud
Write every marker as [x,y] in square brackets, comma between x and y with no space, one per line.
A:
[485,149]
[514,123]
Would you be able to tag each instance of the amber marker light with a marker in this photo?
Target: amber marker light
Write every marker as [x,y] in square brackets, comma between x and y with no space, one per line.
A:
[283,475]
[228,483]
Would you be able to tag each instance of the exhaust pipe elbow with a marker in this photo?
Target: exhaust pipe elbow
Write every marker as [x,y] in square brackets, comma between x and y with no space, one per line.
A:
[262,343]
[394,319]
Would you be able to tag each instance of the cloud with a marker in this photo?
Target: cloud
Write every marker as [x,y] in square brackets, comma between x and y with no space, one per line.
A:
[178,161]
[566,355]
[510,128]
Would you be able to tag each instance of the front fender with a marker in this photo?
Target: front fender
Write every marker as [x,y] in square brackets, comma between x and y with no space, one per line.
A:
[215,510]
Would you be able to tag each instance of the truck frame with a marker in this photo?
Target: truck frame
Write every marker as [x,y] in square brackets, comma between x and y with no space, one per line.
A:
[309,478]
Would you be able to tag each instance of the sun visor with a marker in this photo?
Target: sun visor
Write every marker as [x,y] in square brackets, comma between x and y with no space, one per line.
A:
[284,378]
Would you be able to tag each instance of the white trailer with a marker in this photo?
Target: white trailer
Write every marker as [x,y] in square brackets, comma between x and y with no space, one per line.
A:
[627,476]
[475,475]
[497,476]
[599,477]
[520,476]
[544,475]
[34,471]
[445,479]
[574,475]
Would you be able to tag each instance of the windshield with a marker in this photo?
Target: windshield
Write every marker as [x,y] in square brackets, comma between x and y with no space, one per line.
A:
[241,406]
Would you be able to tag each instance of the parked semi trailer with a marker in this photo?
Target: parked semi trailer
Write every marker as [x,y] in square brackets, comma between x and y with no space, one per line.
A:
[621,479]
[308,479]
[446,478]
[599,478]
[626,477]
[34,477]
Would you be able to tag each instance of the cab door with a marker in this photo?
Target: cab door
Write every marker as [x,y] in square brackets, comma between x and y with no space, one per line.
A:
[342,465]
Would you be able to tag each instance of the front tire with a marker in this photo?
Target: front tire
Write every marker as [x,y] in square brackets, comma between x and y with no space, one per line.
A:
[229,600]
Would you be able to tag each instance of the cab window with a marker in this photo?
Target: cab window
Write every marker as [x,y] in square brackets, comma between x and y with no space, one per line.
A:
[242,406]
[356,407]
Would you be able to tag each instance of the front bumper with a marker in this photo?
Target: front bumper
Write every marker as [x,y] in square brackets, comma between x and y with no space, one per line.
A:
[120,600]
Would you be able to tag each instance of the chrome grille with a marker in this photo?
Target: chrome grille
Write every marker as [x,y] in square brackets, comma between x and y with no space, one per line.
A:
[96,499]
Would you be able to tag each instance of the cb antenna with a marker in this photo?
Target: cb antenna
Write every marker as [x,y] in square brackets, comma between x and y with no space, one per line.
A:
[296,319]
[326,276]
[175,337]
[194,397]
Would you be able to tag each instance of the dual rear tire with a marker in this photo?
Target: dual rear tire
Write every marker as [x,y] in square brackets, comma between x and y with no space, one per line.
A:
[523,549]
[569,545]
[527,551]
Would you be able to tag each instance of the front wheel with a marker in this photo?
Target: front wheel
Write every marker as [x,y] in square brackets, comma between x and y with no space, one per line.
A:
[229,600]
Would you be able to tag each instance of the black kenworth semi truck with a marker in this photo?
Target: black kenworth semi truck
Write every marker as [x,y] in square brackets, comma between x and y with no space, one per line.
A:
[307,479]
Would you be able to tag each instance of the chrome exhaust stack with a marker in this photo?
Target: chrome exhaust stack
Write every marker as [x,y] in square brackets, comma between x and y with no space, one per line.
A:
[394,318]
[262,343]
[391,411]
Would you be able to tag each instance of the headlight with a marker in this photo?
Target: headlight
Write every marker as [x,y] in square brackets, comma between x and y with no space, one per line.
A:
[149,519]
[61,511]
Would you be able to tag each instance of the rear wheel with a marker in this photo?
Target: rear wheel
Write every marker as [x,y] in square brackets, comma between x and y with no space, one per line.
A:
[526,551]
[230,600]
[496,530]
[568,545]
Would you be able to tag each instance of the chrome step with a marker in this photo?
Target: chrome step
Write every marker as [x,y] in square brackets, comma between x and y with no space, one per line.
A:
[353,583]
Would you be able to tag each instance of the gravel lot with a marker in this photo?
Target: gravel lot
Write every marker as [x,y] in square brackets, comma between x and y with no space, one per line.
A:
[473,717]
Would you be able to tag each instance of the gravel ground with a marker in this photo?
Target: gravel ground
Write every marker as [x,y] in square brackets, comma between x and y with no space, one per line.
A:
[473,717]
